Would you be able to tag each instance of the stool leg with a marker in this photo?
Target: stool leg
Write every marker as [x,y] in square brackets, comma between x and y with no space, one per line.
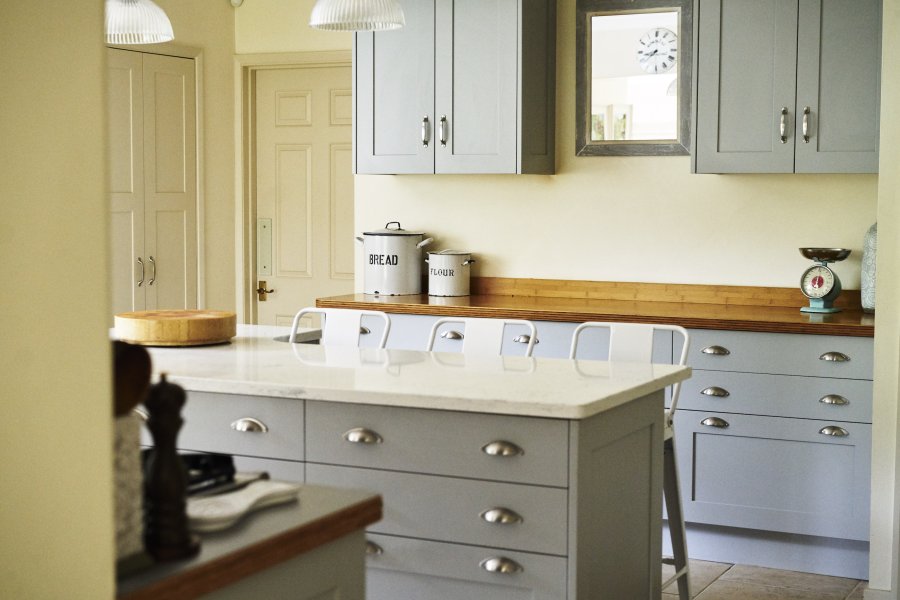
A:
[672,497]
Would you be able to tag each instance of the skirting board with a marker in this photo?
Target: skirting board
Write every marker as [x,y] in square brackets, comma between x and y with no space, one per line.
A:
[879,595]
[809,554]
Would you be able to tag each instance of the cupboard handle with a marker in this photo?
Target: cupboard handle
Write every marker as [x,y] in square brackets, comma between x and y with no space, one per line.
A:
[715,391]
[141,263]
[152,277]
[364,330]
[716,351]
[782,125]
[502,448]
[250,425]
[835,357]
[452,335]
[501,564]
[501,516]
[442,131]
[361,435]
[373,549]
[834,399]
[525,338]
[806,124]
[426,131]
[834,430]
[141,413]
[715,422]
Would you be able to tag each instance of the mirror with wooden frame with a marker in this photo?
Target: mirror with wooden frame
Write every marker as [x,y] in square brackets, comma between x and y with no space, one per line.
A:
[633,61]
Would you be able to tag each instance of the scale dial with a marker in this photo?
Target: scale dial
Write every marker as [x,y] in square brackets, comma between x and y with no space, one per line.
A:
[817,281]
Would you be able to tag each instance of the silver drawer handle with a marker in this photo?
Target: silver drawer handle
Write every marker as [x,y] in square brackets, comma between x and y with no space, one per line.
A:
[251,425]
[834,400]
[141,413]
[716,351]
[373,549]
[835,357]
[715,422]
[364,331]
[525,338]
[426,131]
[716,391]
[452,335]
[834,430]
[501,516]
[782,125]
[501,564]
[806,112]
[502,448]
[361,435]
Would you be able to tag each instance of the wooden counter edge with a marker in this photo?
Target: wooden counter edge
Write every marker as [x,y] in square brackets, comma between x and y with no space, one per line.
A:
[254,558]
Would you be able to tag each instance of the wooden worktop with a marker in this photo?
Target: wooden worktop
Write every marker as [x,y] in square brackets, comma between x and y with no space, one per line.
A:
[737,308]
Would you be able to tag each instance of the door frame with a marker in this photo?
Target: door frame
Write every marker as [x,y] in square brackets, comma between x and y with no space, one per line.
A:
[245,68]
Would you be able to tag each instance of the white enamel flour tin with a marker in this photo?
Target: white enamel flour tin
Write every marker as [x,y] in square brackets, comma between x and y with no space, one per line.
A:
[449,273]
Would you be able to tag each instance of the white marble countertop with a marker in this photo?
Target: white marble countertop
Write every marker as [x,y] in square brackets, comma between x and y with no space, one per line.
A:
[253,363]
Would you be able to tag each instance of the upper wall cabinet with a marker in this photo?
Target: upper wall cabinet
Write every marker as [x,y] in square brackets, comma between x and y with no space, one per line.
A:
[467,86]
[787,86]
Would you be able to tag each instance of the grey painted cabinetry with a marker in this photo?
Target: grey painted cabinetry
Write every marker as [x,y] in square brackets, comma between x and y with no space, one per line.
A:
[773,433]
[787,86]
[467,86]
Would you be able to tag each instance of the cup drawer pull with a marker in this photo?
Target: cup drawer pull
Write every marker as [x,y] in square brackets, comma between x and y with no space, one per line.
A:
[835,357]
[715,391]
[452,335]
[501,564]
[524,339]
[250,425]
[373,549]
[501,516]
[834,400]
[834,430]
[716,351]
[502,448]
[361,435]
[715,422]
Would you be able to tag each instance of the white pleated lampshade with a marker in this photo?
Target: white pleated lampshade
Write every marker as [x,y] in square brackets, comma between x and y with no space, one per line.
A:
[136,22]
[356,15]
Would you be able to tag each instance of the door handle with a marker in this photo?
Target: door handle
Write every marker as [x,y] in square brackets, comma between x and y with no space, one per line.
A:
[153,276]
[141,263]
[262,292]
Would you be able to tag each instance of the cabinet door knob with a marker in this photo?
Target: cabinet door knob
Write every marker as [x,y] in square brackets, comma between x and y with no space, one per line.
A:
[373,549]
[501,516]
[502,448]
[716,351]
[525,338]
[835,357]
[715,391]
[251,425]
[452,335]
[834,400]
[834,430]
[501,564]
[361,435]
[715,422]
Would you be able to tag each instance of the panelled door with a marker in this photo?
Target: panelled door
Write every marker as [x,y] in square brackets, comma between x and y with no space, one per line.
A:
[303,188]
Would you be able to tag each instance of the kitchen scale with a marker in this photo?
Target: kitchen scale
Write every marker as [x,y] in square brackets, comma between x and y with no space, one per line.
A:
[819,283]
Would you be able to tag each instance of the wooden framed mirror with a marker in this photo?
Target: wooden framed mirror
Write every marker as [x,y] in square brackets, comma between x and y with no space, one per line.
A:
[633,63]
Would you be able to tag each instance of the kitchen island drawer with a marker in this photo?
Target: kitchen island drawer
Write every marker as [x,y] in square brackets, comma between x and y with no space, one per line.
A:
[403,568]
[782,353]
[778,395]
[245,425]
[481,446]
[503,515]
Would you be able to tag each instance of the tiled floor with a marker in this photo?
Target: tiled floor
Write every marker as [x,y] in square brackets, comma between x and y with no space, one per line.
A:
[720,581]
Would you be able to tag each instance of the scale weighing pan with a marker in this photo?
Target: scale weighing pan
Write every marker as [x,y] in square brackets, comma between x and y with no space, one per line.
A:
[825,254]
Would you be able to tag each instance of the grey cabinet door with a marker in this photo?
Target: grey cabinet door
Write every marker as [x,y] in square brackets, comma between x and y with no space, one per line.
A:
[394,94]
[476,78]
[747,51]
[839,53]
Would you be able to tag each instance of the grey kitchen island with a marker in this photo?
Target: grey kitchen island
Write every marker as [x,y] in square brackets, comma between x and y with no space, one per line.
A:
[502,477]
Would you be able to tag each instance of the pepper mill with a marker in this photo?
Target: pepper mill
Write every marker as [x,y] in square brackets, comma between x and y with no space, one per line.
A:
[166,533]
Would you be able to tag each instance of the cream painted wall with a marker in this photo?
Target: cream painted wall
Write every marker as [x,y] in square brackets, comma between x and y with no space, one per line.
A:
[210,26]
[282,26]
[56,509]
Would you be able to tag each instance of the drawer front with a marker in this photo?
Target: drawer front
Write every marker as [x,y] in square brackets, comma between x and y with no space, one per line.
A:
[454,510]
[208,419]
[440,442]
[425,570]
[778,395]
[282,470]
[775,474]
[782,353]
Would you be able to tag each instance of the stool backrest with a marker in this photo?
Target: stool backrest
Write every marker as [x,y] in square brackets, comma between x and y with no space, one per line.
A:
[342,326]
[483,336]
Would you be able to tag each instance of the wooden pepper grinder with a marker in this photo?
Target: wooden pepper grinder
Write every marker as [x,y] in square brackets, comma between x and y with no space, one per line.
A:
[166,532]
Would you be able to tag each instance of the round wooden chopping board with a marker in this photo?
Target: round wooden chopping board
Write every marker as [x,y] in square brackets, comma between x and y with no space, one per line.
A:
[176,327]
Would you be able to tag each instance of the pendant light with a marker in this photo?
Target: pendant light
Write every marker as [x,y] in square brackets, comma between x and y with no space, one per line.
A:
[136,22]
[356,15]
